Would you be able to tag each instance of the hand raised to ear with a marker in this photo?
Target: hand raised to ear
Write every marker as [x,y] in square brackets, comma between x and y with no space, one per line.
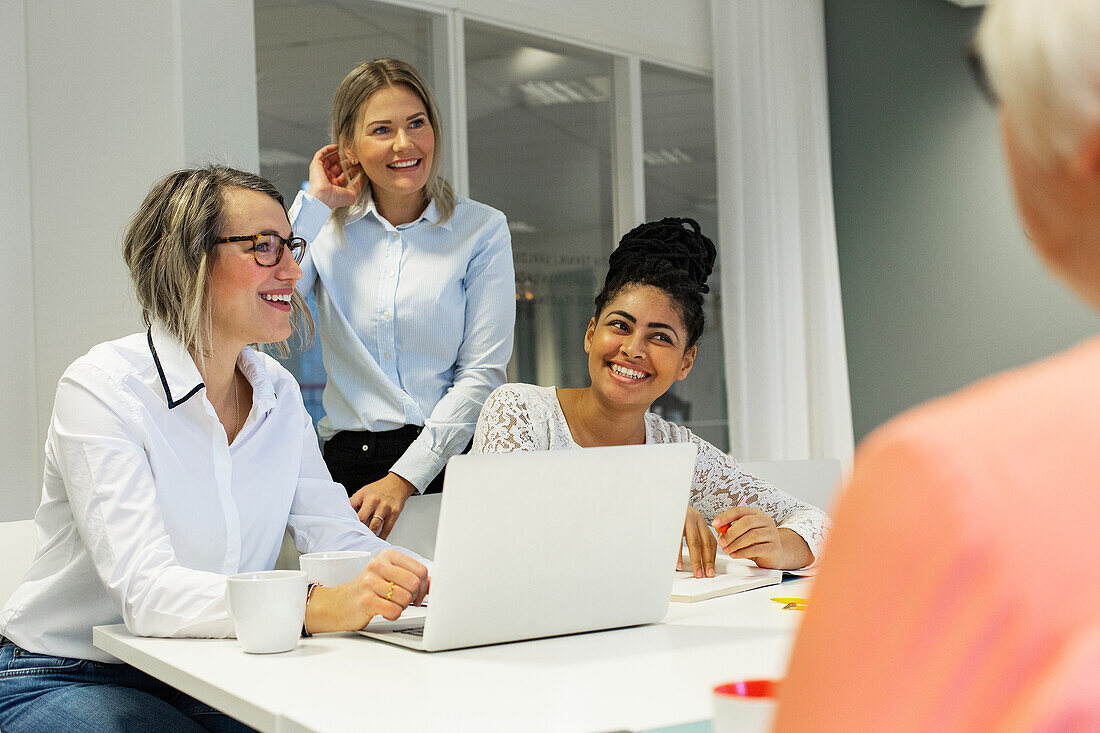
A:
[328,183]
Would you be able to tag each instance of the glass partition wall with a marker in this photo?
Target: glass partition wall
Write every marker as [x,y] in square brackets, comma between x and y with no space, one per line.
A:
[538,119]
[539,131]
[681,180]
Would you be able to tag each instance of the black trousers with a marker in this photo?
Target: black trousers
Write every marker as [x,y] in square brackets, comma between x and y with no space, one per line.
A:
[356,458]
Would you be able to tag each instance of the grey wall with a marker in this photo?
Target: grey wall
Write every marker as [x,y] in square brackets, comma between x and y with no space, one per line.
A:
[939,285]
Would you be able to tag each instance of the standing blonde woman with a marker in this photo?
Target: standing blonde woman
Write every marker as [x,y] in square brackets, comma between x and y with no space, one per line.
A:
[177,457]
[415,293]
[961,587]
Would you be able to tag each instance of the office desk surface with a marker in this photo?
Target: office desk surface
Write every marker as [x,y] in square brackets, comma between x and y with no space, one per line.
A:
[634,679]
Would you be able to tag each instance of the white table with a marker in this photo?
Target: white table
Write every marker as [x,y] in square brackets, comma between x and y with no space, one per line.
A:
[637,678]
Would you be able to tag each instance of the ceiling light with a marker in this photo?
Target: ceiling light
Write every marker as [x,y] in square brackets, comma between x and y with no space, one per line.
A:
[667,156]
[529,61]
[570,91]
[521,227]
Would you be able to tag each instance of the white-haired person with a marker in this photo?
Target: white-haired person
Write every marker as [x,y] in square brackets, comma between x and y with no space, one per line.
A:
[961,587]
[415,293]
[175,458]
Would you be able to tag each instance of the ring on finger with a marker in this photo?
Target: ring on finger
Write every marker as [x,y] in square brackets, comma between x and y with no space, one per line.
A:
[390,594]
[374,517]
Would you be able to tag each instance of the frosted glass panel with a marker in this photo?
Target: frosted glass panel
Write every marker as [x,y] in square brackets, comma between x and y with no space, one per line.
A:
[539,122]
[681,180]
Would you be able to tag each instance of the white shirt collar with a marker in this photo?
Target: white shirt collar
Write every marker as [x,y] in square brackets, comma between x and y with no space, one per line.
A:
[178,374]
[254,370]
[180,377]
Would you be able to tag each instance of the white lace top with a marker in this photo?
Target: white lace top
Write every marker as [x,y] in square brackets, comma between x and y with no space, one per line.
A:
[519,417]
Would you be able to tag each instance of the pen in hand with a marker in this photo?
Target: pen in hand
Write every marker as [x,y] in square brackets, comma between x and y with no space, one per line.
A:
[722,530]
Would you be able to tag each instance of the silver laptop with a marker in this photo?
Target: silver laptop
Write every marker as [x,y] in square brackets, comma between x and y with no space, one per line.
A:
[546,543]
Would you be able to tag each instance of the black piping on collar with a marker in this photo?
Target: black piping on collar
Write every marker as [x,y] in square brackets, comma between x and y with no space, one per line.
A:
[164,380]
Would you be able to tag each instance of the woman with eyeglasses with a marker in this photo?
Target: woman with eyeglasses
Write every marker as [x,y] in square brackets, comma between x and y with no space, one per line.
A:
[176,457]
[415,293]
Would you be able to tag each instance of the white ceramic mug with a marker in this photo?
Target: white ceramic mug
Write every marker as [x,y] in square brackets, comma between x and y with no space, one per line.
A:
[333,568]
[747,706]
[268,608]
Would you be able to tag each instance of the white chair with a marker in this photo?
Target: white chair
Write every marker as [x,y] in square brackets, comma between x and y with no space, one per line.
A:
[288,554]
[415,530]
[17,544]
[812,481]
[416,527]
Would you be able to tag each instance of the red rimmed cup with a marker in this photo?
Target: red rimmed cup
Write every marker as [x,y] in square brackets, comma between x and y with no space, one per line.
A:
[745,706]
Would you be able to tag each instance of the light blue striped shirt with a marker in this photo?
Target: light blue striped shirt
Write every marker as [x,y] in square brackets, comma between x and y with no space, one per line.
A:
[416,322]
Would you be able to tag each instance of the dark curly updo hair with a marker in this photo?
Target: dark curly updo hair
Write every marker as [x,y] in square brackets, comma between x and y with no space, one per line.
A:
[670,254]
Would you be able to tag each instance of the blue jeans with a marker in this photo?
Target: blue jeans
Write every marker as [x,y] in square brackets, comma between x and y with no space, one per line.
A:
[43,693]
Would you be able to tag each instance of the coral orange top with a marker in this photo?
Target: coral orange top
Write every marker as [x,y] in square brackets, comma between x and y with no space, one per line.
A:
[960,590]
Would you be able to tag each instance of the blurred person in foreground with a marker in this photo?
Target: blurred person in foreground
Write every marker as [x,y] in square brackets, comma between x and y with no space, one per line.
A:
[979,608]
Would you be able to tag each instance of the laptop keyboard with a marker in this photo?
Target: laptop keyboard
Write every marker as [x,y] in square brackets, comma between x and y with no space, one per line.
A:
[414,631]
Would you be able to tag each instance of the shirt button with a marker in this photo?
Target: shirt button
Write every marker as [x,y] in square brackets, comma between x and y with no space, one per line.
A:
[366,448]
[386,314]
[388,355]
[391,273]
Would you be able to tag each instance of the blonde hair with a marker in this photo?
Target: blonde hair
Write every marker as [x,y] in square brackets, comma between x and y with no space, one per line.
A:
[171,245]
[1042,60]
[362,83]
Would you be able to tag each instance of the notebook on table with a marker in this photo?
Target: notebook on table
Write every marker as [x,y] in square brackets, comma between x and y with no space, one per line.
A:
[530,545]
[731,575]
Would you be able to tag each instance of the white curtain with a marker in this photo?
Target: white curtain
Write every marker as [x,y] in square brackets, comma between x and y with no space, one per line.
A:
[787,371]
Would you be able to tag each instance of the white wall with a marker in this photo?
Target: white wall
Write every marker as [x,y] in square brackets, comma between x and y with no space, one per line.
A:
[18,410]
[675,33]
[100,100]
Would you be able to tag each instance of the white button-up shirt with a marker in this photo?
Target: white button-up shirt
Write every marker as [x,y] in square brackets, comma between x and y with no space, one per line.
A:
[416,322]
[146,508]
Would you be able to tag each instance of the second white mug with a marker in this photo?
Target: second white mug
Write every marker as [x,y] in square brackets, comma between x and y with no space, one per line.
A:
[333,568]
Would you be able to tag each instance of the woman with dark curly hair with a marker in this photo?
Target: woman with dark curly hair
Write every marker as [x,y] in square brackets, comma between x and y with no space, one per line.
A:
[642,339]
